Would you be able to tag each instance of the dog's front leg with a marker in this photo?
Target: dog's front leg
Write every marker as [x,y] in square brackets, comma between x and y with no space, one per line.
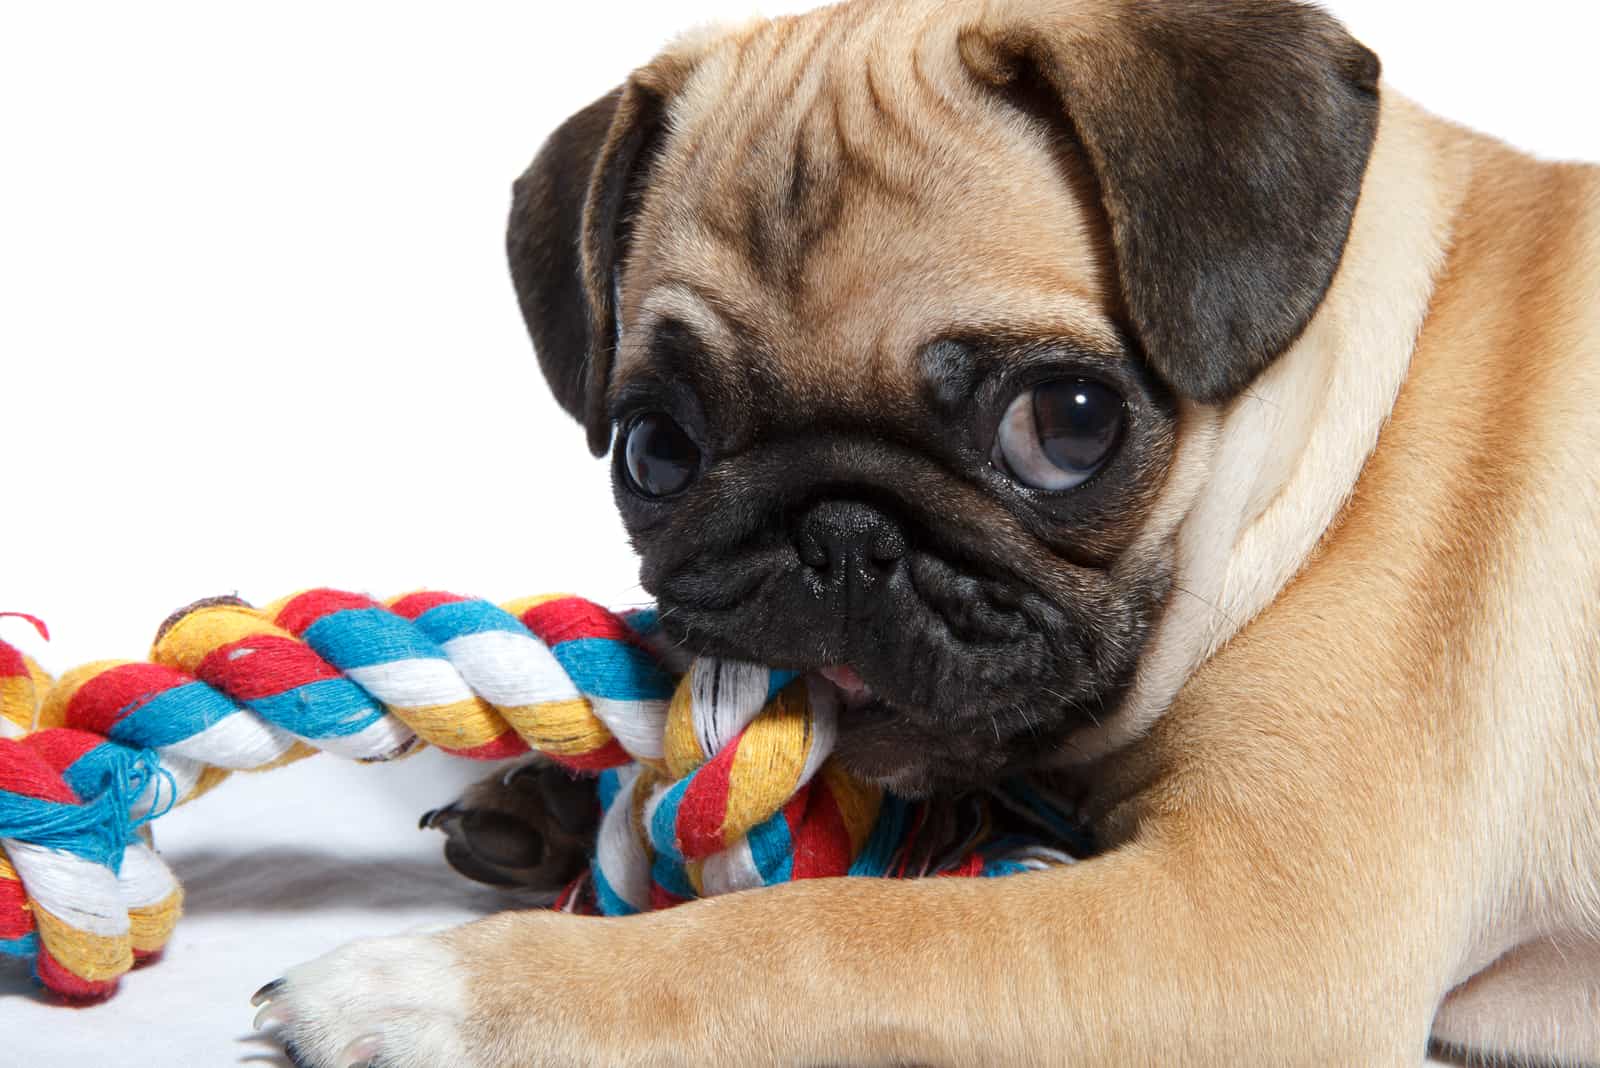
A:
[1176,949]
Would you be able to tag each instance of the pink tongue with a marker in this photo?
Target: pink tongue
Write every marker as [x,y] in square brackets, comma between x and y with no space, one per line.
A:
[846,679]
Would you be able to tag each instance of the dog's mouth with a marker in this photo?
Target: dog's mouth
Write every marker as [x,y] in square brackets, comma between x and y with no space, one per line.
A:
[907,754]
[854,693]
[954,681]
[915,715]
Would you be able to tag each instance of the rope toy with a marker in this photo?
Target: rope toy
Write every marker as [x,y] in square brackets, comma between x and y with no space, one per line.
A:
[713,775]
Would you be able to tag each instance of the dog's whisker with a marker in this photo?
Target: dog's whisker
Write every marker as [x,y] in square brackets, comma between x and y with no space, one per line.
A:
[1218,609]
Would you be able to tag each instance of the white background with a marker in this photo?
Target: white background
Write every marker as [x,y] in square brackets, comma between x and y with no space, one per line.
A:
[257,335]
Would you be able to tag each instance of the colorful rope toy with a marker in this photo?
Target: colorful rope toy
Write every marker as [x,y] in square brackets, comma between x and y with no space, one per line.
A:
[714,775]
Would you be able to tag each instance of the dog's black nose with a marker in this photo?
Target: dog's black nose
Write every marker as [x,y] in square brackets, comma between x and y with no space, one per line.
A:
[849,544]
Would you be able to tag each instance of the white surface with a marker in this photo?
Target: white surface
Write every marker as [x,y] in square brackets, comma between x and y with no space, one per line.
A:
[278,869]
[257,335]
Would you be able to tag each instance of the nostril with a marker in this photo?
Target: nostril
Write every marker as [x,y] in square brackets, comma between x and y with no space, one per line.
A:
[888,547]
[812,552]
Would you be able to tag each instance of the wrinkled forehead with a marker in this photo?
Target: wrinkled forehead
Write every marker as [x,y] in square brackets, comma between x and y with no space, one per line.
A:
[835,191]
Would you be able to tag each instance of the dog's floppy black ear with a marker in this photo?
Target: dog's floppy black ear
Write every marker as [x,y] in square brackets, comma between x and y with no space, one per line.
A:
[1228,140]
[567,236]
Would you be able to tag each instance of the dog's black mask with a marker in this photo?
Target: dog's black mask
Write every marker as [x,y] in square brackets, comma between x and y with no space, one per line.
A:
[970,622]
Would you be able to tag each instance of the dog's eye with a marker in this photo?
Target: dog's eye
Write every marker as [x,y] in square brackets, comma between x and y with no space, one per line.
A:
[659,457]
[1057,435]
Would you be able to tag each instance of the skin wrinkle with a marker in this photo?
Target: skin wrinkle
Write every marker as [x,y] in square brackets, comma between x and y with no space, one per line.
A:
[1144,483]
[941,105]
[859,164]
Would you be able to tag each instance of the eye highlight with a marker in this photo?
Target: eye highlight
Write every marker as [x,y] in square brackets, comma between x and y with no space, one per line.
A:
[1056,435]
[658,456]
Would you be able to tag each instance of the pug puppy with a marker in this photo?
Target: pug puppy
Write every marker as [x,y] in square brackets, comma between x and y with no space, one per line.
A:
[1142,389]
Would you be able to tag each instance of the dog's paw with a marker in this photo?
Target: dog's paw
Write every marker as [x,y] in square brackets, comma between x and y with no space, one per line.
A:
[530,828]
[388,1002]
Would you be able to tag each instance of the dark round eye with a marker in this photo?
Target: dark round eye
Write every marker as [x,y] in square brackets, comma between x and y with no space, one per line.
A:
[1057,435]
[660,458]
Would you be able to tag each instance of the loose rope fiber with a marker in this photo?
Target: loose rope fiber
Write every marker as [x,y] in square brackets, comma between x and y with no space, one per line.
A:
[714,775]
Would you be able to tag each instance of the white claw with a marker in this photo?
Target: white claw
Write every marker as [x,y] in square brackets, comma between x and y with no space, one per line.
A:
[266,993]
[271,1016]
[360,1053]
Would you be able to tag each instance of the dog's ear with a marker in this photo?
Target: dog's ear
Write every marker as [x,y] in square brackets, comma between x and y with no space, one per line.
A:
[568,235]
[1228,140]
